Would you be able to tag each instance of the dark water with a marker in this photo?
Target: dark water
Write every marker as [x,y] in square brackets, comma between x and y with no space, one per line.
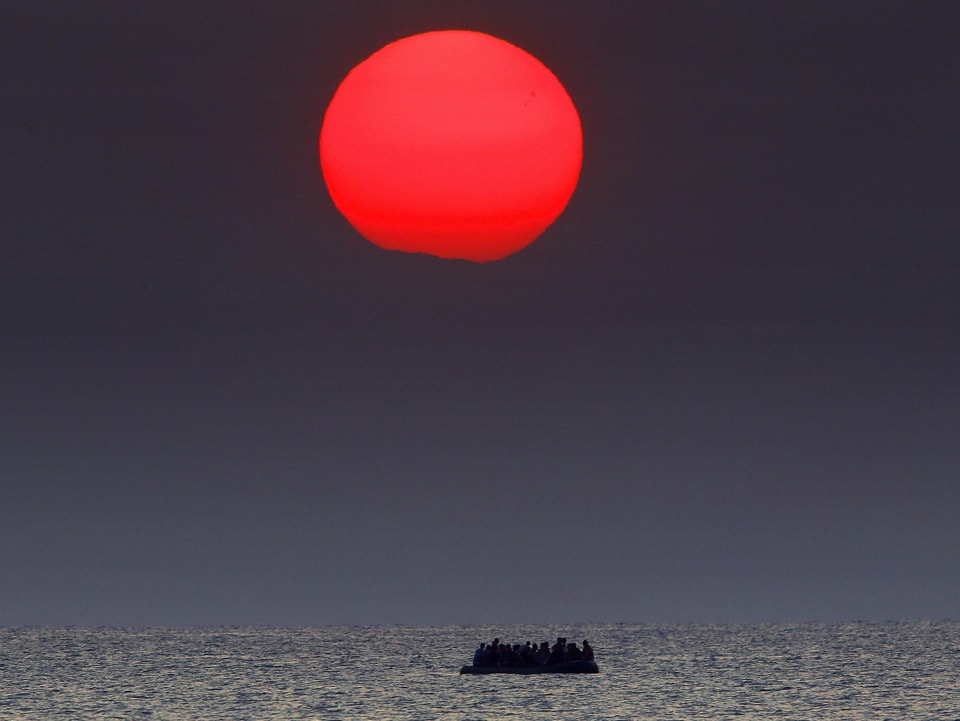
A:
[810,671]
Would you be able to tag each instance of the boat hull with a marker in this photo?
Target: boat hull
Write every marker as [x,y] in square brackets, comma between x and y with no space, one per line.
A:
[568,667]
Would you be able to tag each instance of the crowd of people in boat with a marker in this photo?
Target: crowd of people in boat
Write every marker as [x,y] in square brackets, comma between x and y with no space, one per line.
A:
[530,654]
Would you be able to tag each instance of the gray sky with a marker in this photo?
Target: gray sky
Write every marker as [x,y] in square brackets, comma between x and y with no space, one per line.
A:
[724,386]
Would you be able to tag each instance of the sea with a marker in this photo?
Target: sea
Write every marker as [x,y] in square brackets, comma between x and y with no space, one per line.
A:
[903,671]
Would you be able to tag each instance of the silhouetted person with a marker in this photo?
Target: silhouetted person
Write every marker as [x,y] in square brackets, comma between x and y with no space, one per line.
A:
[493,653]
[557,652]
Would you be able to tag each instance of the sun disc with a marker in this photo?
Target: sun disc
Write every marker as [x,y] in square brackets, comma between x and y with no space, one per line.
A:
[452,143]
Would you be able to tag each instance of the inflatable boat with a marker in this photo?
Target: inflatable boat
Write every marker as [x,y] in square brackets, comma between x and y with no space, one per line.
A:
[568,667]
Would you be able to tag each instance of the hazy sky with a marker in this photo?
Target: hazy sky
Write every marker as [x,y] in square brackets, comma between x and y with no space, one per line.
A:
[724,386]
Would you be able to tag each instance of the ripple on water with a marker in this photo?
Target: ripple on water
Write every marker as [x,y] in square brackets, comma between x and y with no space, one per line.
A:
[850,671]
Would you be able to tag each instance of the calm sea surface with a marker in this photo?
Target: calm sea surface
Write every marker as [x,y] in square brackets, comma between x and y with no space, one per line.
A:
[809,671]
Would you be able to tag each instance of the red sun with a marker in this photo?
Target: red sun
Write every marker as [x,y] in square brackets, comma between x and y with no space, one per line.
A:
[452,143]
